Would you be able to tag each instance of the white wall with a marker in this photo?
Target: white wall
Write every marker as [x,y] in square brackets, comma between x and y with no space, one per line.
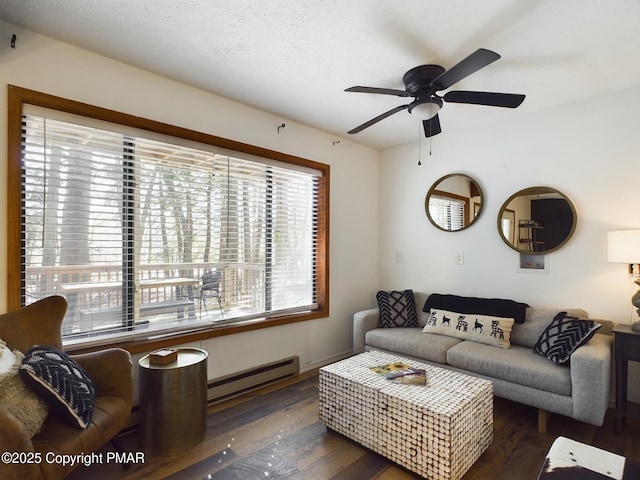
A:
[43,64]
[587,150]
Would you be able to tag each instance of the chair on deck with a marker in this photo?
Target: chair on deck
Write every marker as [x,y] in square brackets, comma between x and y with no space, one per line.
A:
[210,288]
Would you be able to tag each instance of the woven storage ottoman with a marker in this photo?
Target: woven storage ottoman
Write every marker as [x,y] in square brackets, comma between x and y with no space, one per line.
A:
[437,431]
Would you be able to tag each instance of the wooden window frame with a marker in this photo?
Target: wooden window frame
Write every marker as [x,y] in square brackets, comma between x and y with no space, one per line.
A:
[18,96]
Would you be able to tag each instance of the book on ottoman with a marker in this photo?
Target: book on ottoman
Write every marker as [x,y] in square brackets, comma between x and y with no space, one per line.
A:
[399,372]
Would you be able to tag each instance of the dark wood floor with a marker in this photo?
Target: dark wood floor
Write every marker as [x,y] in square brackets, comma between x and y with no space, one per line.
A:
[275,434]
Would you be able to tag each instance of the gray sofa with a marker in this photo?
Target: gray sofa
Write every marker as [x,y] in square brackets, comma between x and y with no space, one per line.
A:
[580,390]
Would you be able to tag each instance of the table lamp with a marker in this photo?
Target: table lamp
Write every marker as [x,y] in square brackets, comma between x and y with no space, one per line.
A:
[623,246]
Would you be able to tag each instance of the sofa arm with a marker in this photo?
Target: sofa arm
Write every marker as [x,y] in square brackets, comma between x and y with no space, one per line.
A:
[363,322]
[14,438]
[111,370]
[591,379]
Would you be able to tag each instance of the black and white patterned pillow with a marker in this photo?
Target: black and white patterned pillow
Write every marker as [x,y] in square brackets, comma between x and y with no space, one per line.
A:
[61,383]
[397,309]
[563,336]
[486,329]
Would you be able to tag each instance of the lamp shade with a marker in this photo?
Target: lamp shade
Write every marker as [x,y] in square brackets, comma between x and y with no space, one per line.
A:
[623,246]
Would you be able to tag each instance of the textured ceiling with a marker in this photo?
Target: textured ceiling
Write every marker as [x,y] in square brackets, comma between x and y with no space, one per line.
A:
[295,58]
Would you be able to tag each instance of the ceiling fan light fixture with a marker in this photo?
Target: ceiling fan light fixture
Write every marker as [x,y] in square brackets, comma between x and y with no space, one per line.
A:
[424,81]
[426,109]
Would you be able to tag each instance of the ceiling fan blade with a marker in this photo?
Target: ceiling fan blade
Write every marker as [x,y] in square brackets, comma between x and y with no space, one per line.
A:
[431,126]
[474,62]
[509,100]
[378,118]
[383,91]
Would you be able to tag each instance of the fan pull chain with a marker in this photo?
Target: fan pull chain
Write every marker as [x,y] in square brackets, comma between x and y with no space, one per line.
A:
[420,124]
[419,146]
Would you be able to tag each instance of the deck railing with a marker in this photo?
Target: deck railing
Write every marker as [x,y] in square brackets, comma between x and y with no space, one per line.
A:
[99,287]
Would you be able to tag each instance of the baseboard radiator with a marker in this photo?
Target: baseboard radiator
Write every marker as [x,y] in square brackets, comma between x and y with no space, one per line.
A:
[239,383]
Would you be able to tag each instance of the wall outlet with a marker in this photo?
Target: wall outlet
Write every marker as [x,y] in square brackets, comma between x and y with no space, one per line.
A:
[460,258]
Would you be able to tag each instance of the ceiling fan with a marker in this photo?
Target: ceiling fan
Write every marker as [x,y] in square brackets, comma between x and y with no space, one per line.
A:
[425,81]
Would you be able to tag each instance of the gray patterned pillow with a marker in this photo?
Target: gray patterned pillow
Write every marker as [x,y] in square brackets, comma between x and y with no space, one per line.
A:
[397,309]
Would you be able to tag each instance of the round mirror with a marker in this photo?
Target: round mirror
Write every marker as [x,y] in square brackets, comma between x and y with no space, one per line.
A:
[537,220]
[454,202]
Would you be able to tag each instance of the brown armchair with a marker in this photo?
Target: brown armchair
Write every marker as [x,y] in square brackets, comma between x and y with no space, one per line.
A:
[110,369]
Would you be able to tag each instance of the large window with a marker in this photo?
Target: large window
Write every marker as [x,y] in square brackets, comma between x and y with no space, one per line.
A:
[158,231]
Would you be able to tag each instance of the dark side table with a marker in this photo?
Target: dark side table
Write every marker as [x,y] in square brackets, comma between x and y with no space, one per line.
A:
[627,348]
[173,402]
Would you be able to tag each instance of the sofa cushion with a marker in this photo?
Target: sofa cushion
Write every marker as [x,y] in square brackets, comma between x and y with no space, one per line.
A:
[409,341]
[517,364]
[495,307]
[563,336]
[61,383]
[478,328]
[397,309]
[538,319]
[420,298]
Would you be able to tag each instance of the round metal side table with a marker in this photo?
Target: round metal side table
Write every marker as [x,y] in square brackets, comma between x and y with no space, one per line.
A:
[173,402]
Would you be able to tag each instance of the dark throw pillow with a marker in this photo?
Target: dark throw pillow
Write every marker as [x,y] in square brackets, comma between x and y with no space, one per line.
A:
[397,309]
[61,383]
[494,307]
[563,336]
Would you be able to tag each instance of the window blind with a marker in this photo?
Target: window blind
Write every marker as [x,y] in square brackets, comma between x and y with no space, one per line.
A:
[447,212]
[128,227]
